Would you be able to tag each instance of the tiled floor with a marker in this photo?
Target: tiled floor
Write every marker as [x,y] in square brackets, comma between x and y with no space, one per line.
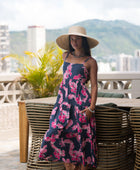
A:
[10,161]
[9,150]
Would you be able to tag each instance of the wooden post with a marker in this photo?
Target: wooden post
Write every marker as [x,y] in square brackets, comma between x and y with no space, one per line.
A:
[23,132]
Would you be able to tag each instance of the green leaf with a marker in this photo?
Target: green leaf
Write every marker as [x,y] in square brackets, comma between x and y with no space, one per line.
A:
[42,69]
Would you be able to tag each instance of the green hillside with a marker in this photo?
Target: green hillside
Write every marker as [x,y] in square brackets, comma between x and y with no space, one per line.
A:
[114,36]
[18,42]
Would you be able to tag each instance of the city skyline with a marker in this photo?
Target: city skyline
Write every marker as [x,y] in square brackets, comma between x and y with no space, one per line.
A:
[58,14]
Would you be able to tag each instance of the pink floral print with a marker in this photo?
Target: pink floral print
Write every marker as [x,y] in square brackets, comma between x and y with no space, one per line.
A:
[71,137]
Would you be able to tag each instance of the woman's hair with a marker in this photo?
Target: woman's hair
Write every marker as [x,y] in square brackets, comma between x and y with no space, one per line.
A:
[84,44]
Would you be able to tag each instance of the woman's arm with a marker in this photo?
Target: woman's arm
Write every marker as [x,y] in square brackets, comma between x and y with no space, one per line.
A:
[94,87]
[93,80]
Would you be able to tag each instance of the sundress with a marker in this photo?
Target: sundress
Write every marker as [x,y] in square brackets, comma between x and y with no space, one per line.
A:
[71,137]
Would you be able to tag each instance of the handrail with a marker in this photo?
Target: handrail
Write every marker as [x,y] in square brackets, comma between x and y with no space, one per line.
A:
[12,89]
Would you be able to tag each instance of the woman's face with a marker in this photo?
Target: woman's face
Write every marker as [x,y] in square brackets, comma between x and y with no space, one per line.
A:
[76,42]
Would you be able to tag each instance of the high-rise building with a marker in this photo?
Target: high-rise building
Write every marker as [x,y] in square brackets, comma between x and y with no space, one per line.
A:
[4,48]
[137,60]
[36,38]
[125,62]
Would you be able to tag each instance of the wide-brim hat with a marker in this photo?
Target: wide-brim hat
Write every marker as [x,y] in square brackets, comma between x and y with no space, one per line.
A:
[63,40]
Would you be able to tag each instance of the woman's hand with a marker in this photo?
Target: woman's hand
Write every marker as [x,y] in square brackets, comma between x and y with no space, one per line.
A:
[87,112]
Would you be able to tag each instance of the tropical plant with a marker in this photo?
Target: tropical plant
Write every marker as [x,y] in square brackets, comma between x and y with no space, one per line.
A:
[42,69]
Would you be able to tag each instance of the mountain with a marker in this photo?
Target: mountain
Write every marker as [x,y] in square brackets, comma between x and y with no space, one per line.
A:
[114,36]
[18,42]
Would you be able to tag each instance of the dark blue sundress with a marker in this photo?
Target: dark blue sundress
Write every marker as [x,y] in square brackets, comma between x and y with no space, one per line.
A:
[71,137]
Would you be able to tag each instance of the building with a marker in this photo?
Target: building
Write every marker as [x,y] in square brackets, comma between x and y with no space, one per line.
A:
[137,60]
[4,48]
[36,38]
[104,67]
[125,62]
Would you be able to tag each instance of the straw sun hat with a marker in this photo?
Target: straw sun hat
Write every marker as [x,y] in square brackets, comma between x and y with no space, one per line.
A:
[63,40]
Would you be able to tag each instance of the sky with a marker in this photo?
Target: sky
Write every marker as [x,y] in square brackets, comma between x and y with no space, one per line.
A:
[54,14]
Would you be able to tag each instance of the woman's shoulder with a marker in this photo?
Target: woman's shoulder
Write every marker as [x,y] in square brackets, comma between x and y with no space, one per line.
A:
[92,60]
[64,55]
[90,63]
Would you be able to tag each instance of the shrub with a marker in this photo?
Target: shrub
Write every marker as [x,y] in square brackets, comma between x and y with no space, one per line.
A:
[42,70]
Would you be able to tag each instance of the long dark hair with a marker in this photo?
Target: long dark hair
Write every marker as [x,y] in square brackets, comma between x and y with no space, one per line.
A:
[85,45]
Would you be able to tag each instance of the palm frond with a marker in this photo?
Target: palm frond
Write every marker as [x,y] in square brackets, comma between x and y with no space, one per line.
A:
[41,69]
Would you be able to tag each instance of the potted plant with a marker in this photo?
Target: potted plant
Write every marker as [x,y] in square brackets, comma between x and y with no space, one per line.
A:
[42,70]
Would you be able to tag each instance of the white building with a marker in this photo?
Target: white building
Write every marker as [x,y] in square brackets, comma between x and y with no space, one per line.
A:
[137,60]
[125,62]
[4,48]
[36,38]
[104,67]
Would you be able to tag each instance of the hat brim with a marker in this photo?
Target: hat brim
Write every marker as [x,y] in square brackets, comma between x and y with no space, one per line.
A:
[63,41]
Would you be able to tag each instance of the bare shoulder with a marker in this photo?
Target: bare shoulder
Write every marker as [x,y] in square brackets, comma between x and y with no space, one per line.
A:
[64,55]
[92,62]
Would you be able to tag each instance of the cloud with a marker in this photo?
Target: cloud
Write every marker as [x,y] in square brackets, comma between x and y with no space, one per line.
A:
[60,13]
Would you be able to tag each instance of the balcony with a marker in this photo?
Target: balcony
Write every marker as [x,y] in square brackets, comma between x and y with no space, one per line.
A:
[128,83]
[12,91]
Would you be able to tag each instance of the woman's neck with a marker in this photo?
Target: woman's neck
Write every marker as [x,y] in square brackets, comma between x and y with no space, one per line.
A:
[78,54]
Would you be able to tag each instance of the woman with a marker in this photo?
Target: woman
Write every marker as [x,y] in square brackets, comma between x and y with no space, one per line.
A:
[71,137]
